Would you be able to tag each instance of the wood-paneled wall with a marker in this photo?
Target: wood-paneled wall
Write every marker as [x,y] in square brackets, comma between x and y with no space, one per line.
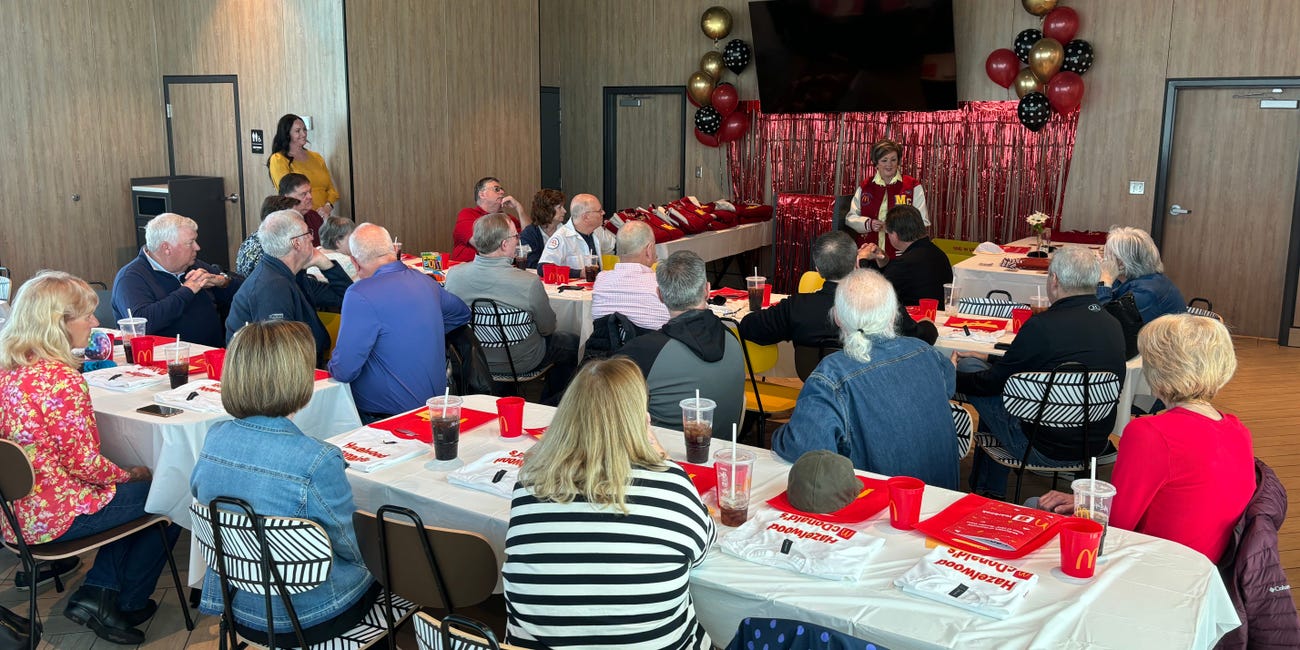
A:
[590,44]
[1138,46]
[82,112]
[442,94]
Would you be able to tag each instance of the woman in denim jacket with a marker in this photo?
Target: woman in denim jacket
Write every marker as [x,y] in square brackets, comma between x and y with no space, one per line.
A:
[264,459]
[1132,265]
[883,400]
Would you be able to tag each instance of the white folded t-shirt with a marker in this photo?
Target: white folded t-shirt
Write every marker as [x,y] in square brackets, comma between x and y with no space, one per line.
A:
[494,473]
[983,585]
[802,544]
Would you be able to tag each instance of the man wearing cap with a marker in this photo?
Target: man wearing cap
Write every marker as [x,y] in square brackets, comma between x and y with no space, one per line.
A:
[883,400]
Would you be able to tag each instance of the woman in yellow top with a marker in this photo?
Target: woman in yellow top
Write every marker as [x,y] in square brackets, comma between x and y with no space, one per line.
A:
[289,153]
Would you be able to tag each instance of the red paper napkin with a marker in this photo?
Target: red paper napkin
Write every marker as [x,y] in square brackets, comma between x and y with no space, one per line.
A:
[705,477]
[322,374]
[417,422]
[872,499]
[1015,250]
[727,292]
[978,324]
[197,364]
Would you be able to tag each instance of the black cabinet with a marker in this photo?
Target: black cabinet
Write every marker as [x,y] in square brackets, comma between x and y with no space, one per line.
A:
[201,198]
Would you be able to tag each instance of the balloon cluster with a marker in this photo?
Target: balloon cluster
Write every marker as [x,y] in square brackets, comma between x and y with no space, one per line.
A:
[1052,81]
[716,118]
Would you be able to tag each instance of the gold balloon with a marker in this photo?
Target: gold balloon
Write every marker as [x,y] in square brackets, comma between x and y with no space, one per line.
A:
[700,87]
[1045,58]
[1026,83]
[711,63]
[1038,7]
[716,22]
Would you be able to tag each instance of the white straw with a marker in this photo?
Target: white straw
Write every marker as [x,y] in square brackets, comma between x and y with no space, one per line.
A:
[755,271]
[446,397]
[128,313]
[733,462]
[1092,494]
[176,354]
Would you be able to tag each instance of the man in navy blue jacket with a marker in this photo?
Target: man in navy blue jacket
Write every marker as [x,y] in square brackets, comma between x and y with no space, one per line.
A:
[168,285]
[279,287]
[391,345]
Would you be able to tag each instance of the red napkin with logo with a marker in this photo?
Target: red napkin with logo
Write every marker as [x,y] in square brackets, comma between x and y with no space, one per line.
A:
[705,477]
[729,293]
[417,422]
[979,324]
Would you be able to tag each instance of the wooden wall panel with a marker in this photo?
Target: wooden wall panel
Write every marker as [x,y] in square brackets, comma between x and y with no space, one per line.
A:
[442,94]
[288,56]
[78,115]
[1223,38]
[591,44]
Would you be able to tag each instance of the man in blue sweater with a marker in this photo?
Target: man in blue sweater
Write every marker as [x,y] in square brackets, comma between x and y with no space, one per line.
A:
[168,285]
[391,345]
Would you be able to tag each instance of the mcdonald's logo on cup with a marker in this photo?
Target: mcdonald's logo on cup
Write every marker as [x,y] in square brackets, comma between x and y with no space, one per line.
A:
[1080,539]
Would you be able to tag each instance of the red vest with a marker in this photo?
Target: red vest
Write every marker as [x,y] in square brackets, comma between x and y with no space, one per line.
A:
[873,194]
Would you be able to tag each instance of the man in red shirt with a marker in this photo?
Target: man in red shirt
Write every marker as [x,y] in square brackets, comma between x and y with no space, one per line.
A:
[489,198]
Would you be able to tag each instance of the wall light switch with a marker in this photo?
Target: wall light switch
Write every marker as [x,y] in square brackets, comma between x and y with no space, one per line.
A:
[1137,187]
[699,172]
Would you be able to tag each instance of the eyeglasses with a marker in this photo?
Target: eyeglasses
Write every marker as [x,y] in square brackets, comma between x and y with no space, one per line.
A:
[302,235]
[498,189]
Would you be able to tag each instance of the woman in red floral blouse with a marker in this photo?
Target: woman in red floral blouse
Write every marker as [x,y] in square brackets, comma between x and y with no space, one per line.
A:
[45,408]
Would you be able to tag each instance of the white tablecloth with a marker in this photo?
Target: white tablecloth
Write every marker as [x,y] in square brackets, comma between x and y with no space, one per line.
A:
[170,446]
[1149,593]
[717,244]
[978,275]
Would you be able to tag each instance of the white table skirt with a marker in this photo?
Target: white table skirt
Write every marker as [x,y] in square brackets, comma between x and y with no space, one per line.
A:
[1148,593]
[717,244]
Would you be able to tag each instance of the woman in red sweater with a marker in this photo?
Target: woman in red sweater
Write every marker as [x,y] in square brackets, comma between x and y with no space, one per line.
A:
[1186,474]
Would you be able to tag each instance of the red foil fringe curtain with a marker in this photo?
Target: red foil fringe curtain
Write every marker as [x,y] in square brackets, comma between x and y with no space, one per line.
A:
[800,218]
[982,171]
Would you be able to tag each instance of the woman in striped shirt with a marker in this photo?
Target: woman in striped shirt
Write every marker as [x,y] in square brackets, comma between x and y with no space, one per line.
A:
[603,532]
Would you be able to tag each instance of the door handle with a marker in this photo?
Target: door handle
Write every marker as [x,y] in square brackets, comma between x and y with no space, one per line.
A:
[233,198]
[1176,210]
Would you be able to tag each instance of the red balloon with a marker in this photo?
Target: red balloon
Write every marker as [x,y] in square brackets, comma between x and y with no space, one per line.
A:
[692,101]
[1064,91]
[1061,23]
[1002,66]
[733,127]
[706,139]
[725,99]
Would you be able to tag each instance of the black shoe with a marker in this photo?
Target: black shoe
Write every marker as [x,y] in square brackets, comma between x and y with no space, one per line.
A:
[137,616]
[45,573]
[96,608]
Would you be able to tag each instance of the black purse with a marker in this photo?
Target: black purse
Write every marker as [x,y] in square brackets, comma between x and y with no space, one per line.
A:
[16,632]
[1125,310]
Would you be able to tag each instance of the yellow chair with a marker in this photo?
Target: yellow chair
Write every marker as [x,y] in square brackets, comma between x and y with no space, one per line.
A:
[331,321]
[607,262]
[811,282]
[762,398]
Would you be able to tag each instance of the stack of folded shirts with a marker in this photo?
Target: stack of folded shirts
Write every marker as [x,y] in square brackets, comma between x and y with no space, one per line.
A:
[198,395]
[802,544]
[368,449]
[983,585]
[495,473]
[125,378]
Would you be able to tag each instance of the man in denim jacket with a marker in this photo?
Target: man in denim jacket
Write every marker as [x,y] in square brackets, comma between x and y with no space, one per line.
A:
[883,400]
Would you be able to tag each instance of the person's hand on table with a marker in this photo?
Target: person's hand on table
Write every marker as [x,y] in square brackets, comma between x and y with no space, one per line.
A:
[139,473]
[1058,502]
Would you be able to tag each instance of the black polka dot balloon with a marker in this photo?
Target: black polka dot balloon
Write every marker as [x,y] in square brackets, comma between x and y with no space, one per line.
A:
[1078,56]
[1034,111]
[708,120]
[1024,41]
[736,55]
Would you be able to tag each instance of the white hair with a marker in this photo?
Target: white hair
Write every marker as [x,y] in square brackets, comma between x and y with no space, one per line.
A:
[370,242]
[633,238]
[1077,270]
[278,230]
[166,229]
[865,306]
[1135,250]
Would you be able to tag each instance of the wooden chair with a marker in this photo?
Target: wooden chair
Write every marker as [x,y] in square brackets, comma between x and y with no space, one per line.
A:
[16,481]
[501,327]
[403,555]
[961,421]
[278,557]
[1068,397]
[455,632]
[989,305]
[762,398]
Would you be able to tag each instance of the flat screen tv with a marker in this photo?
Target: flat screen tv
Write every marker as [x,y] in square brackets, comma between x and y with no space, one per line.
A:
[837,56]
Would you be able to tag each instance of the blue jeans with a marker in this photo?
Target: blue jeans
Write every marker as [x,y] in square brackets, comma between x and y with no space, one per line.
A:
[987,475]
[131,565]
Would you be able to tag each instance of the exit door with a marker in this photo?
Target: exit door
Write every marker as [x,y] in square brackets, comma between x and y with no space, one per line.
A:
[203,140]
[645,146]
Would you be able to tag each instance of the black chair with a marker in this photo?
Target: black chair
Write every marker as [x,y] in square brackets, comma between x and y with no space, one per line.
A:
[1066,399]
[961,421]
[990,305]
[1207,310]
[104,310]
[806,357]
[609,334]
[456,632]
[16,481]
[500,327]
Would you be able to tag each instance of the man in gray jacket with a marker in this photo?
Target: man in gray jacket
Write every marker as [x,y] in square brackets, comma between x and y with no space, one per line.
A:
[492,275]
[692,351]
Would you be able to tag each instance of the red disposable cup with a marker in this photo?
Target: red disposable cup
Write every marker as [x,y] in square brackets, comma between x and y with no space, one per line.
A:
[510,416]
[142,348]
[767,295]
[929,308]
[1019,316]
[1080,539]
[215,360]
[905,501]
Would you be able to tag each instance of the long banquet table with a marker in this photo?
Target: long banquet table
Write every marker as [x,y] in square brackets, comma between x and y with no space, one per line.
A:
[717,244]
[981,273]
[1148,593]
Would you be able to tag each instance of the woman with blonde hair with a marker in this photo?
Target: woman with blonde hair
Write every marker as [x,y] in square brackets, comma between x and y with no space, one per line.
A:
[263,458]
[599,477]
[45,409]
[1187,474]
